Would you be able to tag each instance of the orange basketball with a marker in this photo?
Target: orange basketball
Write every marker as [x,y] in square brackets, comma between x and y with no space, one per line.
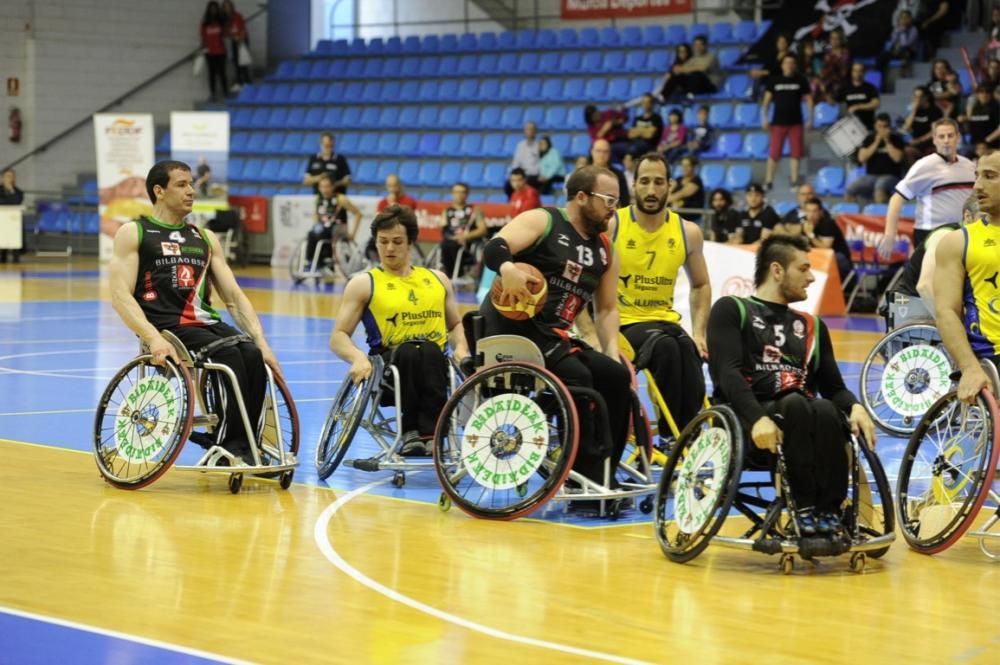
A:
[520,312]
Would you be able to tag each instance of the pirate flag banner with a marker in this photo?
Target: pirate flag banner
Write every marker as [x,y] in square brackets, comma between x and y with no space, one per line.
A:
[866,23]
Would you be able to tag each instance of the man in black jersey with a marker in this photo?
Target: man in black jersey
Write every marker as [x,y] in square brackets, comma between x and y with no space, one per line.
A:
[770,363]
[570,248]
[327,162]
[160,275]
[462,225]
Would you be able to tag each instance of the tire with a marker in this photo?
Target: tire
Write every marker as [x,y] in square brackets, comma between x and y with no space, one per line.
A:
[281,417]
[298,266]
[504,477]
[141,400]
[870,513]
[946,471]
[341,425]
[913,364]
[702,474]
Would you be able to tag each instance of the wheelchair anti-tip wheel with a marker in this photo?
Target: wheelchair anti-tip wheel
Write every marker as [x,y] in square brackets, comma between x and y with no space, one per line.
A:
[699,483]
[506,441]
[869,513]
[906,372]
[341,424]
[946,471]
[142,421]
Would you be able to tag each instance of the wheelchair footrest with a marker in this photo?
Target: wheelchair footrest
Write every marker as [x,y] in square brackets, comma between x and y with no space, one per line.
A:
[369,464]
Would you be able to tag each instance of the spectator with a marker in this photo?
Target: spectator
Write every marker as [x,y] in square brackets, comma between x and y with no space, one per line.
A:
[836,66]
[673,143]
[809,64]
[203,175]
[608,125]
[10,195]
[236,31]
[796,216]
[212,35]
[860,96]
[462,227]
[723,219]
[682,53]
[688,193]
[697,73]
[787,91]
[991,77]
[757,222]
[882,156]
[551,168]
[523,196]
[982,120]
[990,50]
[526,156]
[902,45]
[327,162]
[395,195]
[822,231]
[945,87]
[923,113]
[782,47]
[646,130]
[701,135]
[628,168]
[581,161]
[937,16]
[600,155]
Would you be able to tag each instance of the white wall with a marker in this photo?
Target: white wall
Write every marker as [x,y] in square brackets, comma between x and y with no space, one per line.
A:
[76,57]
[381,11]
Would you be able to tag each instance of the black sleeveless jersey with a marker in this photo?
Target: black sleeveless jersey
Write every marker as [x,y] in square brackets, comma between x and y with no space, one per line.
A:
[780,345]
[907,282]
[328,213]
[172,283]
[456,219]
[572,266]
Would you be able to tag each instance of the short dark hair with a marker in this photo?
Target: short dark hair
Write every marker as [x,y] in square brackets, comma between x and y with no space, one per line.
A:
[814,200]
[704,107]
[725,193]
[462,185]
[396,215]
[652,157]
[776,248]
[160,175]
[583,179]
[701,38]
[884,117]
[326,135]
[518,171]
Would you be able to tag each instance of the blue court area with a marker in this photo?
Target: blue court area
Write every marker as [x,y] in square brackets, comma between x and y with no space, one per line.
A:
[56,358]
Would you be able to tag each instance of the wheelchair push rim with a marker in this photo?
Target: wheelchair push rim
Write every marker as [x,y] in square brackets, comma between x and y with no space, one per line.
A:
[904,375]
[280,423]
[947,471]
[341,425]
[870,513]
[698,484]
[506,441]
[143,419]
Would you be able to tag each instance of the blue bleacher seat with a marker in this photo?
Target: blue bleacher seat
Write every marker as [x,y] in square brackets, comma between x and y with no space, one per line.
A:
[659,61]
[632,36]
[388,117]
[266,93]
[366,172]
[278,118]
[574,88]
[252,169]
[293,143]
[246,96]
[451,172]
[755,146]
[469,117]
[738,177]
[375,45]
[409,116]
[472,174]
[737,86]
[614,62]
[510,89]
[467,42]
[569,63]
[449,42]
[675,34]
[348,143]
[527,63]
[510,142]
[235,169]
[486,64]
[490,118]
[825,114]
[492,146]
[410,67]
[747,115]
[548,63]
[335,93]
[653,35]
[448,118]
[721,33]
[408,92]
[610,37]
[495,174]
[391,67]
[635,61]
[373,68]
[640,86]
[845,208]
[270,170]
[320,70]
[830,181]
[448,90]
[965,80]
[512,118]
[580,145]
[428,144]
[712,176]
[408,143]
[430,44]
[368,144]
[745,32]
[316,93]
[352,93]
[372,92]
[467,64]
[874,77]
[727,146]
[567,38]
[595,89]
[351,117]
[393,45]
[689,116]
[728,58]
[355,69]
[428,91]
[506,63]
[470,144]
[698,29]
[428,174]
[525,39]
[552,90]
[429,66]
[488,41]
[448,65]
[531,89]
[877,209]
[450,145]
[257,118]
[592,62]
[291,171]
[411,44]
[468,91]
[721,116]
[555,117]
[589,38]
[408,171]
[618,90]
[507,41]
[332,116]
[255,143]
[237,143]
[386,168]
[784,207]
[386,145]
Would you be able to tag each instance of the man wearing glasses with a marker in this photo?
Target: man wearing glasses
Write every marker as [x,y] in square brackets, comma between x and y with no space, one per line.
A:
[570,248]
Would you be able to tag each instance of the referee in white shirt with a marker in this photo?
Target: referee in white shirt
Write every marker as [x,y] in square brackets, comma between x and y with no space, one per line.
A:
[940,182]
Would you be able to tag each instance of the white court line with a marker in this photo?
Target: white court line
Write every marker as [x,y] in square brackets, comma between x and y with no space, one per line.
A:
[176,648]
[323,542]
[48,413]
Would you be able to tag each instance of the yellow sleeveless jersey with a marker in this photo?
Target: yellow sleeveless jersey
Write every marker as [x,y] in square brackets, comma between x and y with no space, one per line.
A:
[649,265]
[405,309]
[981,297]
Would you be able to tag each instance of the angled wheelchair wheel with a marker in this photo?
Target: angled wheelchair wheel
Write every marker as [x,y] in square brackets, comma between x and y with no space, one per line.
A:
[280,423]
[870,511]
[946,471]
[506,441]
[699,483]
[341,425]
[906,372]
[348,257]
[143,419]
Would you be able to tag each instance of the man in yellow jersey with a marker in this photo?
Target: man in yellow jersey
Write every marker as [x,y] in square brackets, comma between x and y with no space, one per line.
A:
[966,292]
[409,314]
[653,243]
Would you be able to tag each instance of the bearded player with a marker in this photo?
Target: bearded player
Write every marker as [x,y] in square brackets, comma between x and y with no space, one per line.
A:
[570,248]
[653,243]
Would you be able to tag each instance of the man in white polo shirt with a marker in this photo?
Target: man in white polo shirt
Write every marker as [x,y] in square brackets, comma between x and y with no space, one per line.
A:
[940,182]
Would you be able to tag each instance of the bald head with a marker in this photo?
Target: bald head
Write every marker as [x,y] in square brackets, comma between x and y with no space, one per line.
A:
[600,153]
[805,193]
[393,185]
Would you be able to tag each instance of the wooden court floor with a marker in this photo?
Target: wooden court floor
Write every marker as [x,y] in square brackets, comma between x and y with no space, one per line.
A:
[356,571]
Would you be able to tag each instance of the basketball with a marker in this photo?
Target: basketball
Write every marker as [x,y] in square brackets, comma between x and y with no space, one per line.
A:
[520,312]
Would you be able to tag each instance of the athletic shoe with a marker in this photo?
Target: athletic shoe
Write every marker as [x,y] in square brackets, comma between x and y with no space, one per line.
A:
[806,518]
[414,445]
[828,523]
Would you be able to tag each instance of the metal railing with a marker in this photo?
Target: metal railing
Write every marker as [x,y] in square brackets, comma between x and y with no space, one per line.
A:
[117,101]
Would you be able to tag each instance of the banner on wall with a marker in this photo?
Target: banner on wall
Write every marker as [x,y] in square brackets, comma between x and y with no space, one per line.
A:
[590,9]
[293,215]
[200,139]
[125,153]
